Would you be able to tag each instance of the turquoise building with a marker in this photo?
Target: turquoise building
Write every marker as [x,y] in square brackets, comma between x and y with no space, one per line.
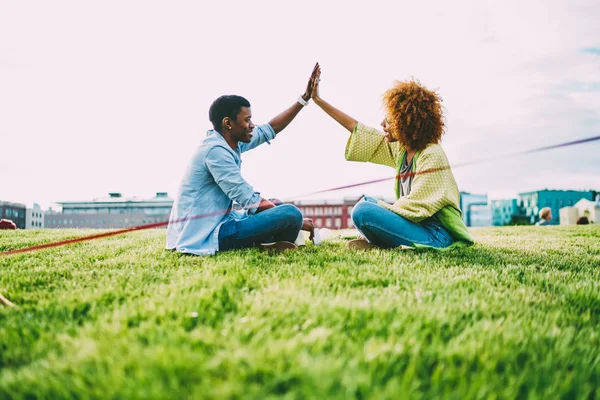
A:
[475,209]
[503,211]
[531,203]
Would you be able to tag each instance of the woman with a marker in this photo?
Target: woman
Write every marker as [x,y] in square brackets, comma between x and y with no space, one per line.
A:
[427,212]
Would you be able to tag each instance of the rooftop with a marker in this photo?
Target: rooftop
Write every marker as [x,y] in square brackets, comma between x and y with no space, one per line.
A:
[115,198]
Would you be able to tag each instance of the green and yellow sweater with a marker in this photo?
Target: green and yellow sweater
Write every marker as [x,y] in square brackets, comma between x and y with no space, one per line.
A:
[433,191]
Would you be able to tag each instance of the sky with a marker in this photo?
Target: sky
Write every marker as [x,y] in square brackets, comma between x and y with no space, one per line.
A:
[113,96]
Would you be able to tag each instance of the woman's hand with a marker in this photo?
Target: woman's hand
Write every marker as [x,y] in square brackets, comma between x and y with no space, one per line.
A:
[341,117]
[315,88]
[309,226]
[311,82]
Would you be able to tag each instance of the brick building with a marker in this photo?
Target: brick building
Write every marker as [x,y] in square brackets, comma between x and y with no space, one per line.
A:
[331,214]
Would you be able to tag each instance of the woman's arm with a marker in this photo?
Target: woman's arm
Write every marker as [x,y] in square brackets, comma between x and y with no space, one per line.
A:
[364,144]
[341,117]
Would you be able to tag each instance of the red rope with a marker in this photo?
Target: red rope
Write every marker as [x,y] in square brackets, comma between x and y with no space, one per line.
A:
[399,176]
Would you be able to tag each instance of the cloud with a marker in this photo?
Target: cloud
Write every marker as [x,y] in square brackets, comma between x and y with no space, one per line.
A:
[114,95]
[592,50]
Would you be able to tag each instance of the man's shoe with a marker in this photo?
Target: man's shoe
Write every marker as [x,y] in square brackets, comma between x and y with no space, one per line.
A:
[278,247]
[361,244]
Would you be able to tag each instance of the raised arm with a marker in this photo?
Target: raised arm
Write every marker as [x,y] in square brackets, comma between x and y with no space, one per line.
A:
[365,144]
[281,121]
[341,117]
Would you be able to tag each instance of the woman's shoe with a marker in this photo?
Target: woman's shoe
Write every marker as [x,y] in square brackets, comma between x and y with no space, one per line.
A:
[361,244]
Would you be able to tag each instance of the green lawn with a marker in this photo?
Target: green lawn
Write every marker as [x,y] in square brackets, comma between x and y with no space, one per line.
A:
[517,315]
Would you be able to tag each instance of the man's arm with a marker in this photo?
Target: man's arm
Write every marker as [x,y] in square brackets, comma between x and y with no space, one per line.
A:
[279,122]
[227,175]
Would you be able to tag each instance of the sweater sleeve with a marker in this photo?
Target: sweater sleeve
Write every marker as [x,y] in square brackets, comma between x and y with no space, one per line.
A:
[431,189]
[369,145]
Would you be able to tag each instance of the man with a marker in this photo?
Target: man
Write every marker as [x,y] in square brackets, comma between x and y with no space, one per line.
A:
[545,217]
[202,220]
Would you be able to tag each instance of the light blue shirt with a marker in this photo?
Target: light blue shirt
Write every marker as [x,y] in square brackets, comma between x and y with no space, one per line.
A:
[212,182]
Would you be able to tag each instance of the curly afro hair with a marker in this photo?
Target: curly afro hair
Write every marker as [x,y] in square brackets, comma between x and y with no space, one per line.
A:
[414,114]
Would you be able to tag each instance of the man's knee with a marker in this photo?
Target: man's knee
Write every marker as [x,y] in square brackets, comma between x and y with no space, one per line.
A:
[292,215]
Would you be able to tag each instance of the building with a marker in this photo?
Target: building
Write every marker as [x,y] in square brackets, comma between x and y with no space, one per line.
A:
[468,201]
[332,214]
[114,211]
[583,208]
[531,203]
[503,211]
[13,211]
[480,215]
[34,217]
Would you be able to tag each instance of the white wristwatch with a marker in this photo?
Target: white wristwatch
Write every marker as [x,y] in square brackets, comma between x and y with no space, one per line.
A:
[302,101]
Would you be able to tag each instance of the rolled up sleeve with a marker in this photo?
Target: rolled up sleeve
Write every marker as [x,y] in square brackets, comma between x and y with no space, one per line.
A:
[227,175]
[369,145]
[262,134]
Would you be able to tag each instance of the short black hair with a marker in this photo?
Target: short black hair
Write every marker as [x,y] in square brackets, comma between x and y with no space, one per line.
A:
[226,106]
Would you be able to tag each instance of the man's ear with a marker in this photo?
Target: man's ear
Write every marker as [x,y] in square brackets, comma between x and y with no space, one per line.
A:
[227,123]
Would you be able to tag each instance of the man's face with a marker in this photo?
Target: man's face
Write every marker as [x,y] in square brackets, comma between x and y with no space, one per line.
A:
[242,127]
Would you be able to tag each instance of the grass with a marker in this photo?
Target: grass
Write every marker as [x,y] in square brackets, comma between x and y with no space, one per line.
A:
[517,315]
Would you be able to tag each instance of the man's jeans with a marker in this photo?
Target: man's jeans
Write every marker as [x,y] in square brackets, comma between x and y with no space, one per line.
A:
[385,228]
[281,223]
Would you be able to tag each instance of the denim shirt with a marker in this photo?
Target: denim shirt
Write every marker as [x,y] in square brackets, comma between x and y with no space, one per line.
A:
[212,182]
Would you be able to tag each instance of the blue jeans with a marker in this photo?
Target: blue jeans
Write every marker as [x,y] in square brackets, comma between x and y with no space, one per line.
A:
[385,228]
[281,223]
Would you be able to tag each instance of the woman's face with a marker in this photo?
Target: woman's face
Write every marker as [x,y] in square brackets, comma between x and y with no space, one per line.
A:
[388,132]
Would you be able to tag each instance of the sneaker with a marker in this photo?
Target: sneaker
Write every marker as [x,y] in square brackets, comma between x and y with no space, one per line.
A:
[278,247]
[361,244]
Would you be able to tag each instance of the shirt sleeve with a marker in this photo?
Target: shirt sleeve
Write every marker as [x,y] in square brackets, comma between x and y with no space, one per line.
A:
[262,134]
[430,190]
[228,176]
[369,145]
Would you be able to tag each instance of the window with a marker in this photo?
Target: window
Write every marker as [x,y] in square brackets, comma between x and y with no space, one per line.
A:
[338,223]
[350,224]
[319,222]
[328,222]
[9,212]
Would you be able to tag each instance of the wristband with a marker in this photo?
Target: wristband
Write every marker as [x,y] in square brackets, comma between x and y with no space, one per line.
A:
[302,101]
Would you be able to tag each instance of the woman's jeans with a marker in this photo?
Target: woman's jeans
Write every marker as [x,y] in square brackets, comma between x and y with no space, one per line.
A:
[281,223]
[385,228]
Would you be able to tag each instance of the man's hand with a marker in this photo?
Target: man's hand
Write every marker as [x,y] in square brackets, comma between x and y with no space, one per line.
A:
[309,226]
[7,224]
[280,121]
[311,82]
[264,205]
